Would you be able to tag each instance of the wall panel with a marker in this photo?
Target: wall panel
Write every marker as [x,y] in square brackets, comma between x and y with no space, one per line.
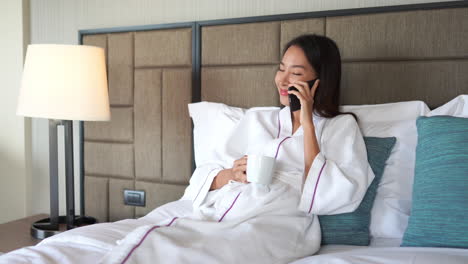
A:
[150,85]
[98,40]
[113,159]
[97,197]
[240,44]
[421,34]
[435,82]
[163,47]
[157,195]
[118,129]
[148,124]
[120,68]
[177,126]
[117,209]
[240,86]
[293,28]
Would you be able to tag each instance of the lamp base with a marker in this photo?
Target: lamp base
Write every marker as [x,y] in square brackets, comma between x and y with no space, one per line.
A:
[43,228]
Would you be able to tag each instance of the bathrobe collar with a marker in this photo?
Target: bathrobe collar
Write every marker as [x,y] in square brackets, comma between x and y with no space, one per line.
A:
[285,123]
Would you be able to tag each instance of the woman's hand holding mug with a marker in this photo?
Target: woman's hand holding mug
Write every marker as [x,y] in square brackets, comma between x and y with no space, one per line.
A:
[239,170]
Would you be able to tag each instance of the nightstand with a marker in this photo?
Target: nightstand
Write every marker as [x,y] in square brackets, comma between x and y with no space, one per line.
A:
[16,234]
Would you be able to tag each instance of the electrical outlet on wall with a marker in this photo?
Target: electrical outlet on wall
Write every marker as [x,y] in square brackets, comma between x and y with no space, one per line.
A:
[134,197]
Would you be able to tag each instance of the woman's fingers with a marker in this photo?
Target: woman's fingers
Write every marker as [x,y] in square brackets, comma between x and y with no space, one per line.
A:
[299,95]
[241,161]
[240,168]
[299,88]
[240,173]
[302,87]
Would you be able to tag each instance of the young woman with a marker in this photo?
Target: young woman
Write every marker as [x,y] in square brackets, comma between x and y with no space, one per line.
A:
[321,168]
[308,57]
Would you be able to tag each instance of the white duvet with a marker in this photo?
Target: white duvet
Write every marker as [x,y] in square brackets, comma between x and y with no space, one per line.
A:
[90,244]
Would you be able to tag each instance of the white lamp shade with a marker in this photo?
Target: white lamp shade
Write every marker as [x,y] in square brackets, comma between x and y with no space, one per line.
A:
[66,82]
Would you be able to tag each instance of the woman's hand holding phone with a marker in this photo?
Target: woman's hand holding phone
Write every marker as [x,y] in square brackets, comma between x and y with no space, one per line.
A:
[305,94]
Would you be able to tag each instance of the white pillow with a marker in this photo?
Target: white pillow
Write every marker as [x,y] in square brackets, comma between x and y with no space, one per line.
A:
[392,205]
[456,107]
[212,123]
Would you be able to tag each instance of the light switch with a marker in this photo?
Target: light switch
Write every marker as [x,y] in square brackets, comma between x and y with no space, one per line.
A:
[133,197]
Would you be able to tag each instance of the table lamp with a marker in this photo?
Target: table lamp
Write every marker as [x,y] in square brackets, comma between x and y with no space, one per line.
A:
[63,83]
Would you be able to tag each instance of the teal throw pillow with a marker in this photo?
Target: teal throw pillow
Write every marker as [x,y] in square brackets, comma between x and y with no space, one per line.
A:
[439,214]
[353,228]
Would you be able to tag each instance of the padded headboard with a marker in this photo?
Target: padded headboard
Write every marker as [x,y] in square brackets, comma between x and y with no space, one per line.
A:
[387,57]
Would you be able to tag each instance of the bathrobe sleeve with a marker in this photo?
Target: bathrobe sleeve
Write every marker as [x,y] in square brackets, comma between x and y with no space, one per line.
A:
[222,158]
[200,182]
[340,174]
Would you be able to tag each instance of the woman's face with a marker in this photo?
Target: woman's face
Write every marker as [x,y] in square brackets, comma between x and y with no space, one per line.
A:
[293,67]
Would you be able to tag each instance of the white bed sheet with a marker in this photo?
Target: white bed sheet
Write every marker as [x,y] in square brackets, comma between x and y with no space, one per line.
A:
[339,254]
[89,244]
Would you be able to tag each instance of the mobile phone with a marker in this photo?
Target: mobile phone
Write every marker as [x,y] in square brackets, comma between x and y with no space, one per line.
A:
[294,103]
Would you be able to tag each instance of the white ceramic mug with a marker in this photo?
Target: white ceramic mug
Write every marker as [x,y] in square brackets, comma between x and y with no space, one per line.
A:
[260,169]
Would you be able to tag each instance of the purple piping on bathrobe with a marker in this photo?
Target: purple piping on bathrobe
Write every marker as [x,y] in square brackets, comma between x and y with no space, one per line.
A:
[225,213]
[316,184]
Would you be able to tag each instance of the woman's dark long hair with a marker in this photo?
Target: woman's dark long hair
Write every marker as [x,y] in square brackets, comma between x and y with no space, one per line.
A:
[323,54]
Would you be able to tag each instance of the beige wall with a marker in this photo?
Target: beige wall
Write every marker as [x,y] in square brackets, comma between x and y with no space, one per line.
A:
[58,21]
[15,133]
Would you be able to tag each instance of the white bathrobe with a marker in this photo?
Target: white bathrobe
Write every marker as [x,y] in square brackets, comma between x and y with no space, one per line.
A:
[249,223]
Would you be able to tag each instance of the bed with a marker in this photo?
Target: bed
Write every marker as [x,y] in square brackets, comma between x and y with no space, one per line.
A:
[398,64]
